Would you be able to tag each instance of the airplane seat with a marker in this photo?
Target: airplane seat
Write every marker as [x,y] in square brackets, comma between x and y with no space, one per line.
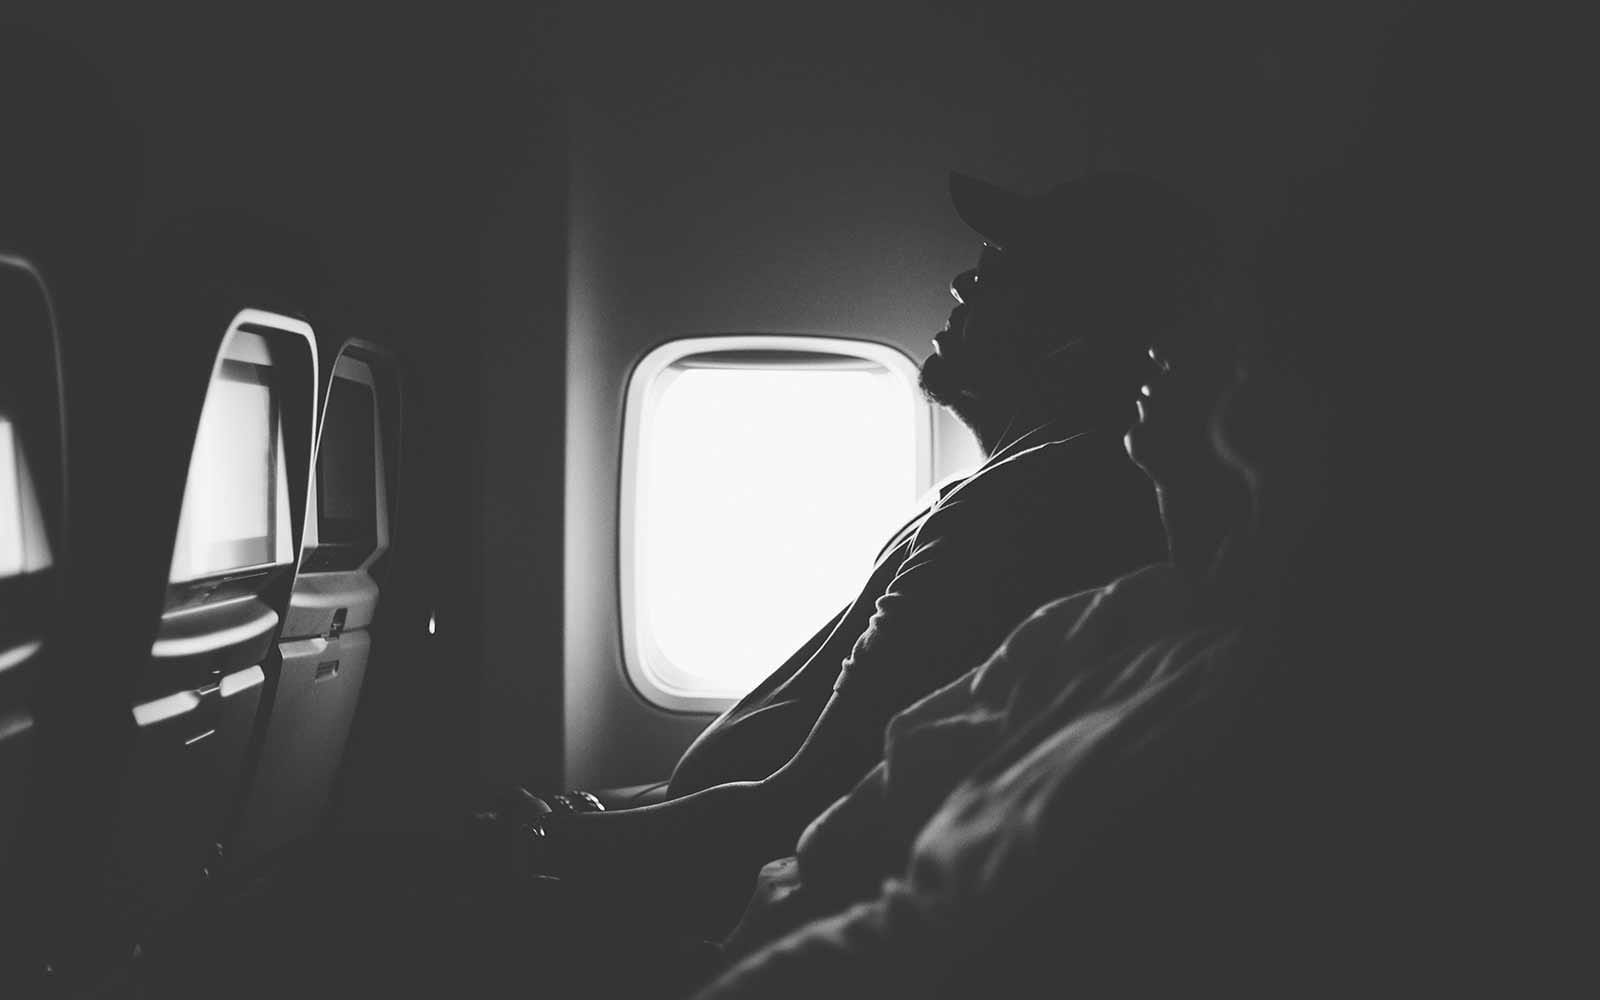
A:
[70,183]
[326,641]
[32,523]
[197,690]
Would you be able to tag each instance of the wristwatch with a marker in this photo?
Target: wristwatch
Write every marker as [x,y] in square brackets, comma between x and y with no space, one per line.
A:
[573,802]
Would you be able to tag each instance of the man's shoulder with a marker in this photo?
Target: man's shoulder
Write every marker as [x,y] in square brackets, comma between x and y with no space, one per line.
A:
[1056,470]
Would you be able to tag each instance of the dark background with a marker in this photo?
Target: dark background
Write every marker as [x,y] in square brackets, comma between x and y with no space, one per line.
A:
[521,199]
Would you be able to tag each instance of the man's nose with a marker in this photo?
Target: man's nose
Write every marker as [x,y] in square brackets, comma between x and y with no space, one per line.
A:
[963,285]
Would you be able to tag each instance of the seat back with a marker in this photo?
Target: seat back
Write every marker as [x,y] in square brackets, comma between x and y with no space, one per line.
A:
[198,695]
[326,639]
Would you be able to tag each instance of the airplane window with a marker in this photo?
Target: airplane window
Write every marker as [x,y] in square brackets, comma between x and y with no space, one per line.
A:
[11,553]
[764,483]
[236,498]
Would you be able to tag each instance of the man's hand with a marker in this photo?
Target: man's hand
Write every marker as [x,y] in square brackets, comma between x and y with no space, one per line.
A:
[508,834]
[498,834]
[776,906]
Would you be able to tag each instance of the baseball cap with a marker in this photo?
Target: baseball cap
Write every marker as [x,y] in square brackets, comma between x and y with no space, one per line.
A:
[1110,221]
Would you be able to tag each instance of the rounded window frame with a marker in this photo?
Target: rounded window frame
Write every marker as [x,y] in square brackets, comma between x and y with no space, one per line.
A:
[641,661]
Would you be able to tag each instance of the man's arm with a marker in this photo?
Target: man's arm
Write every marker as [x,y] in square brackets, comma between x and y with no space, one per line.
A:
[890,946]
[738,823]
[972,575]
[1062,836]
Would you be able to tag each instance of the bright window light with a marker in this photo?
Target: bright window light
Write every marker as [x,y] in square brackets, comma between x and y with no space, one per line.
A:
[236,494]
[24,547]
[763,484]
[11,551]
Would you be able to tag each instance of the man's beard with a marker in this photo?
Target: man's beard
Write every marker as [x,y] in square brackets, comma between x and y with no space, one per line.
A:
[941,384]
[958,388]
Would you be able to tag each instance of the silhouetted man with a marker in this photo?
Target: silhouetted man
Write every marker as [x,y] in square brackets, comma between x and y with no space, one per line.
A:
[1006,841]
[1086,640]
[1306,803]
[1042,357]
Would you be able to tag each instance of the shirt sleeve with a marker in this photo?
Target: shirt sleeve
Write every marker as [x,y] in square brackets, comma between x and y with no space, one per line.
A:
[928,749]
[972,572]
[1056,520]
[931,746]
[1043,817]
[878,948]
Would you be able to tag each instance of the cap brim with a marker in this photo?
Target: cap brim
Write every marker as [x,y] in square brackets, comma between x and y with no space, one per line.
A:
[993,212]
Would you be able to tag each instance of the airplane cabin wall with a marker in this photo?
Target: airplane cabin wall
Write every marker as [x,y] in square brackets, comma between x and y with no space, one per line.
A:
[783,170]
[521,201]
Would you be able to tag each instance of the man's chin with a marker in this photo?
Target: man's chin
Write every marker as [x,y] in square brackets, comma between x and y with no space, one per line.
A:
[936,382]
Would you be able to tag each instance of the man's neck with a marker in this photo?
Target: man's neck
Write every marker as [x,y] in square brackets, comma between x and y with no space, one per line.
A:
[999,434]
[1200,517]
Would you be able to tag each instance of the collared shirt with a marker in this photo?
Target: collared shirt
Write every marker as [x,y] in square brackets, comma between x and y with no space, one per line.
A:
[929,748]
[1048,838]
[1051,514]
